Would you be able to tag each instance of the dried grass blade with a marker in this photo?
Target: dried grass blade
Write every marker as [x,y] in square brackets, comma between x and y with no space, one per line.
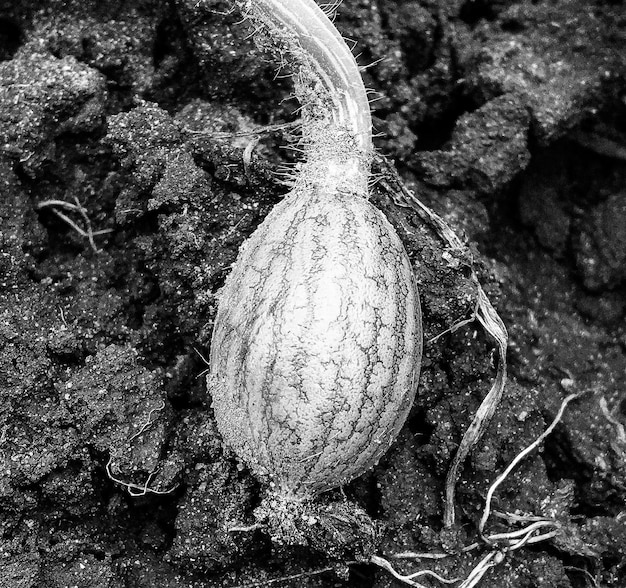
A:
[492,323]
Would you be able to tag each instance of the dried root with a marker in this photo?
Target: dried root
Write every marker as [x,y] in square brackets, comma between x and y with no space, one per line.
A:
[538,529]
[136,490]
[410,579]
[86,230]
[283,579]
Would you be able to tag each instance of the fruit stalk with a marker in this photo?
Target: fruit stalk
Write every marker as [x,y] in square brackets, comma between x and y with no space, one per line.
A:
[336,120]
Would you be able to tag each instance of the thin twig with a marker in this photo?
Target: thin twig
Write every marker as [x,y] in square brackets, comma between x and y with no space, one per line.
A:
[610,416]
[515,518]
[247,154]
[87,222]
[528,539]
[245,529]
[586,573]
[521,532]
[58,203]
[70,222]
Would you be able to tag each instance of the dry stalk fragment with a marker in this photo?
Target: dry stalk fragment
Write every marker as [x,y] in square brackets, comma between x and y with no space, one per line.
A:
[484,312]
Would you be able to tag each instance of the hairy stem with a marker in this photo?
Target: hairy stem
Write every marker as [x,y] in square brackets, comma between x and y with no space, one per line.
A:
[337,126]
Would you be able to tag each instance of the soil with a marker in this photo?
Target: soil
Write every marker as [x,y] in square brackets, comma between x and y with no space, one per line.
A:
[506,118]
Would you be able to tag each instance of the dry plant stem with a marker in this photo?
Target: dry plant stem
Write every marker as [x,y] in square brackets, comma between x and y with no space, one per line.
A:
[492,323]
[488,317]
[610,416]
[586,573]
[521,532]
[455,327]
[265,130]
[441,555]
[515,518]
[409,200]
[245,529]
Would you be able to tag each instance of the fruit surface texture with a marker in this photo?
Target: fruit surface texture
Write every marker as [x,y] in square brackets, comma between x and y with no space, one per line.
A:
[317,343]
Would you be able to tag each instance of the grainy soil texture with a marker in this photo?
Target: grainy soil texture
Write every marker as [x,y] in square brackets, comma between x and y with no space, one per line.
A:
[140,145]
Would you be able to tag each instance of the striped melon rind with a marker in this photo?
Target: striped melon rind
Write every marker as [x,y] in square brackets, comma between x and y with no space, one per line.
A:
[317,343]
